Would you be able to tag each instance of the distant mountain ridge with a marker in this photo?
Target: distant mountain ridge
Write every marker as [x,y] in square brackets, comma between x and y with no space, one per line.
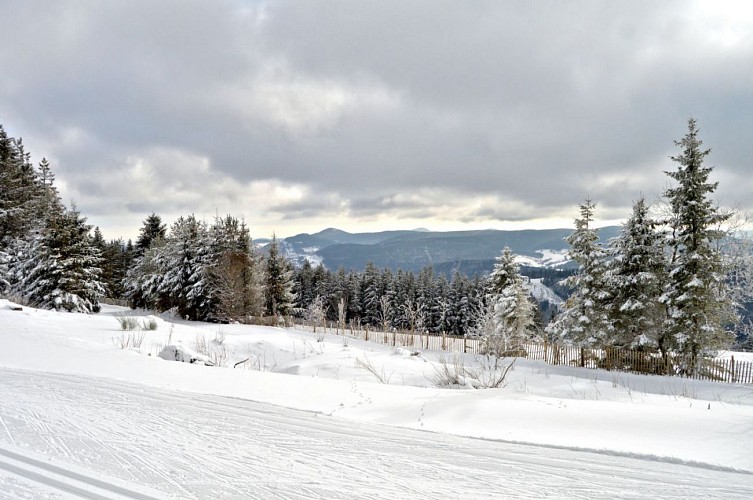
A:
[411,250]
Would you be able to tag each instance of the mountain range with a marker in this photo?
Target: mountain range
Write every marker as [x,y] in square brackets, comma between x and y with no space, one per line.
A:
[411,250]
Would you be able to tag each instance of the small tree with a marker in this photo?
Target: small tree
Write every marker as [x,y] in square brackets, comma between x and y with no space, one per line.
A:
[316,312]
[512,311]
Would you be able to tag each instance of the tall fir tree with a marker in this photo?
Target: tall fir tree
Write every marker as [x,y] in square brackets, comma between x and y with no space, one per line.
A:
[278,288]
[696,296]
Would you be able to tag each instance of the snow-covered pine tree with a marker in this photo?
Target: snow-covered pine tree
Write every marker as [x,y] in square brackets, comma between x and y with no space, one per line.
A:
[143,280]
[278,291]
[4,272]
[185,265]
[512,311]
[585,320]
[20,191]
[371,294]
[636,280]
[696,296]
[463,308]
[233,272]
[64,271]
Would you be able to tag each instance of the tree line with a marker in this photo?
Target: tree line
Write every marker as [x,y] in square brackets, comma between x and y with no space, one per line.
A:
[664,284]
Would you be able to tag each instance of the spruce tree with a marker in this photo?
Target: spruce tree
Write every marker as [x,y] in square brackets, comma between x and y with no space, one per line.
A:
[696,296]
[152,229]
[278,288]
[184,263]
[585,320]
[512,312]
[233,271]
[64,272]
[636,281]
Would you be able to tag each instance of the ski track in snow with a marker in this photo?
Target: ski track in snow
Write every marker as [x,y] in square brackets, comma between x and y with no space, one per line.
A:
[200,446]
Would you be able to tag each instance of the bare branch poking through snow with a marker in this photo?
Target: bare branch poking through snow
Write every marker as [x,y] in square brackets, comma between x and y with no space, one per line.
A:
[367,365]
[132,340]
[489,372]
[127,322]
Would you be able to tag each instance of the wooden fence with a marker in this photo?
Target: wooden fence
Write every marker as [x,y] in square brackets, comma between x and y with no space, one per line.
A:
[623,360]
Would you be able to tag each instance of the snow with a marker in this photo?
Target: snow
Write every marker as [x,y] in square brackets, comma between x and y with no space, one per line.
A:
[541,292]
[306,419]
[549,258]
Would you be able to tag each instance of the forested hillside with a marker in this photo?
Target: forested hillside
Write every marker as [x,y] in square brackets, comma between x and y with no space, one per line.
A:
[681,281]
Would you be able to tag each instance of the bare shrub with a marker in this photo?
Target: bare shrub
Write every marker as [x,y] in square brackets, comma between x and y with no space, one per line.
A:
[489,372]
[200,345]
[132,340]
[367,365]
[449,372]
[218,355]
[219,337]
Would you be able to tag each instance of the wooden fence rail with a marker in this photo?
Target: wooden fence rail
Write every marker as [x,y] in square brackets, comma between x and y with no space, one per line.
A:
[623,360]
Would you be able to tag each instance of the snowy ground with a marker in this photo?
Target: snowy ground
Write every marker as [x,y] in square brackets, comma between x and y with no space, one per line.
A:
[81,417]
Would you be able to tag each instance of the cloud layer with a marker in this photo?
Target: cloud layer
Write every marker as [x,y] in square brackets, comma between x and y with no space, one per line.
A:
[302,115]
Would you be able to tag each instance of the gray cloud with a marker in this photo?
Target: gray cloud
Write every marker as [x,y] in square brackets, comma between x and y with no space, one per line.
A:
[323,112]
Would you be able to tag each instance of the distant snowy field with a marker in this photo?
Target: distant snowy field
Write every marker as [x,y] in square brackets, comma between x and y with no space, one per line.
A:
[81,417]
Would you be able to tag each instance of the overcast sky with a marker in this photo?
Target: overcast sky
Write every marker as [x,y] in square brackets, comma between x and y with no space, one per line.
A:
[375,115]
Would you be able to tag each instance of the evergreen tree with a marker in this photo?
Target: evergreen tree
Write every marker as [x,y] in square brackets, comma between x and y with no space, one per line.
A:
[696,296]
[234,277]
[64,272]
[585,320]
[279,295]
[184,263]
[371,294]
[152,229]
[513,312]
[636,281]
[143,282]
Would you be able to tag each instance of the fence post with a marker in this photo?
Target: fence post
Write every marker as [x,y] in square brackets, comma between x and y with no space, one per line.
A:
[465,345]
[582,357]
[732,367]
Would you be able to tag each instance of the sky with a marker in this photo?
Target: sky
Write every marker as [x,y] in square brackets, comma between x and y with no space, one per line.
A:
[375,115]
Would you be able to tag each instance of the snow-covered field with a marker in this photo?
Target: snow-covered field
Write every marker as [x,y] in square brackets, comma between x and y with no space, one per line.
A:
[81,417]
